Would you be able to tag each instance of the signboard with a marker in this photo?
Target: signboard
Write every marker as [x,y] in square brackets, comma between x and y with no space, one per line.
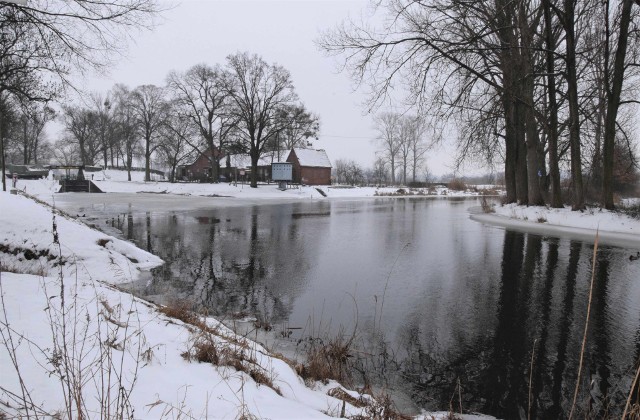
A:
[282,171]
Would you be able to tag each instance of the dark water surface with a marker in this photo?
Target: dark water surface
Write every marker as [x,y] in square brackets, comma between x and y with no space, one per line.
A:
[434,298]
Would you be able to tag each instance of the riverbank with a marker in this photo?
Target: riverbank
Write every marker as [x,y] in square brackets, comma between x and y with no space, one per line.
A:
[115,181]
[74,341]
[614,228]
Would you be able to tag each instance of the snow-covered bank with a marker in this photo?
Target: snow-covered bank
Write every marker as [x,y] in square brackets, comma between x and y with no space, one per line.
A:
[613,228]
[115,181]
[123,351]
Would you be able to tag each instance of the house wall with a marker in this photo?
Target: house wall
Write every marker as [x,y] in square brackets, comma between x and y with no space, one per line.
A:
[295,169]
[315,176]
[201,169]
[309,175]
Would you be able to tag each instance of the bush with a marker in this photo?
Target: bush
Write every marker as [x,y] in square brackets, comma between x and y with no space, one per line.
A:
[457,184]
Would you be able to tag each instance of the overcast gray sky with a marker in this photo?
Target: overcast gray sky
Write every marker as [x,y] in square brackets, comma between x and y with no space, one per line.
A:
[280,31]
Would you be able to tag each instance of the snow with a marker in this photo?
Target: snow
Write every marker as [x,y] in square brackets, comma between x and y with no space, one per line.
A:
[115,181]
[613,228]
[244,161]
[313,158]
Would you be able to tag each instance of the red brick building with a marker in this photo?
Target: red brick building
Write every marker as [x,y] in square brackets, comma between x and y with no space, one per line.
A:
[310,167]
[201,169]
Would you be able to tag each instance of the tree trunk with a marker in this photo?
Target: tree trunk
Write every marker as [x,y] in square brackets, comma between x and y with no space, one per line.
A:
[4,173]
[574,107]
[522,184]
[147,159]
[25,142]
[129,163]
[254,167]
[393,171]
[510,153]
[505,11]
[554,168]
[613,102]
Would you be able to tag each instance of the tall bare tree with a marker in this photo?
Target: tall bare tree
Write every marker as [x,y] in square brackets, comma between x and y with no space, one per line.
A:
[150,108]
[388,125]
[299,125]
[200,97]
[176,136]
[43,43]
[258,91]
[614,101]
[82,125]
[124,118]
[33,119]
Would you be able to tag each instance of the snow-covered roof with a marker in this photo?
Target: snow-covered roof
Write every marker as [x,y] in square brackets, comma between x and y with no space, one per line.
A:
[311,157]
[244,161]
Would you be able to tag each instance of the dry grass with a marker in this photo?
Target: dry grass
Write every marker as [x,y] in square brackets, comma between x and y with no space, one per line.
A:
[381,408]
[181,309]
[211,345]
[208,348]
[326,361]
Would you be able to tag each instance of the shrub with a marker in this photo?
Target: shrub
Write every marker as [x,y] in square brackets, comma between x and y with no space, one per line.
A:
[456,184]
[327,361]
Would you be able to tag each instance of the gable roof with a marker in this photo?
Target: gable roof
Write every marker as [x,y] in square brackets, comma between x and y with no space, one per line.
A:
[315,158]
[244,161]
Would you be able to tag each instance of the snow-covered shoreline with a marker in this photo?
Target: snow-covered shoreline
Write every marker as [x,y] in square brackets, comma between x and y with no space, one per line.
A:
[613,228]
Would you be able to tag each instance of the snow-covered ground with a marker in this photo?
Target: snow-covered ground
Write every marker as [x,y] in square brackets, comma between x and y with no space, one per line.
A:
[116,181]
[72,341]
[613,227]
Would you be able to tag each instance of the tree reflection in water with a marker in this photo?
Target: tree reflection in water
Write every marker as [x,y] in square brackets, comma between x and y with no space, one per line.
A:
[540,312]
[503,300]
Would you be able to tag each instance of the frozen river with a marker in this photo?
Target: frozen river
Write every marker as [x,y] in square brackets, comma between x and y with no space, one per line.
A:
[432,297]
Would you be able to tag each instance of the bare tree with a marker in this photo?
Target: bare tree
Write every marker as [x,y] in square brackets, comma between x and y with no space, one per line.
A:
[43,43]
[79,34]
[176,137]
[380,172]
[150,109]
[388,125]
[349,172]
[34,118]
[258,92]
[418,147]
[200,97]
[66,152]
[614,101]
[298,126]
[125,125]
[82,125]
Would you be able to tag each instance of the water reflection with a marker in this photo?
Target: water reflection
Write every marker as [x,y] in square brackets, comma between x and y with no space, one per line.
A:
[527,364]
[438,300]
